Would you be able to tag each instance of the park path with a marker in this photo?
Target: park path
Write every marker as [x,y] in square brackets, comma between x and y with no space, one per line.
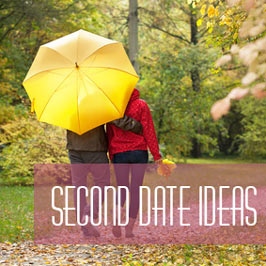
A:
[26,254]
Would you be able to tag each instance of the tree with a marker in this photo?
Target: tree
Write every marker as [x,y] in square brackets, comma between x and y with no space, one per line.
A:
[133,33]
[250,51]
[176,37]
[252,55]
[24,26]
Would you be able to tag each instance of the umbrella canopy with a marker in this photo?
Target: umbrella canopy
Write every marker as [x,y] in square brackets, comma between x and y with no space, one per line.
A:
[80,81]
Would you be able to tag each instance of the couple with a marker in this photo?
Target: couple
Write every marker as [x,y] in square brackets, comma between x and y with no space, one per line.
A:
[127,140]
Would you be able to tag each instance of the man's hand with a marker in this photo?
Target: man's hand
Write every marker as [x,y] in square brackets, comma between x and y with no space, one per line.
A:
[128,124]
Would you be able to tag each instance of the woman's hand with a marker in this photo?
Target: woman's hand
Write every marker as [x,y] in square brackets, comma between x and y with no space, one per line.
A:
[160,161]
[163,168]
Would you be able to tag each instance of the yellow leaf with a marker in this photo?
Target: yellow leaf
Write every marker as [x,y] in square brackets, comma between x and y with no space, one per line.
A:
[235,36]
[262,257]
[202,10]
[228,21]
[216,11]
[168,161]
[251,258]
[211,11]
[199,22]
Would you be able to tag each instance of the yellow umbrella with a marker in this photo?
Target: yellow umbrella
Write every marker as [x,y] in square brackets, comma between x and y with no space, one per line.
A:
[80,81]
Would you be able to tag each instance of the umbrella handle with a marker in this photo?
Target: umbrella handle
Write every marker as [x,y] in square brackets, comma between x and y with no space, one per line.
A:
[32,105]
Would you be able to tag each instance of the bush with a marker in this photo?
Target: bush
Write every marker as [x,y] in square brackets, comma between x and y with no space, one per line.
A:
[6,113]
[254,136]
[31,142]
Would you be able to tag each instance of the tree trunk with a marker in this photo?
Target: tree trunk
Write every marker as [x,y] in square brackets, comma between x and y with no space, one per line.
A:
[133,33]
[195,78]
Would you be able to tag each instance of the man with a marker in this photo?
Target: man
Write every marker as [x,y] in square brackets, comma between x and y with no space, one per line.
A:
[91,148]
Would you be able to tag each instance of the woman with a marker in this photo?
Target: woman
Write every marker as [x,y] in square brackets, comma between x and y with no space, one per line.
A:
[126,147]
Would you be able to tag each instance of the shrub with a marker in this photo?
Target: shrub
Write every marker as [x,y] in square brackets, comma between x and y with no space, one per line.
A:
[31,142]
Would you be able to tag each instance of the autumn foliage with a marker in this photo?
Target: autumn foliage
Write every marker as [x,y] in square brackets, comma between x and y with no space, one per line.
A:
[251,53]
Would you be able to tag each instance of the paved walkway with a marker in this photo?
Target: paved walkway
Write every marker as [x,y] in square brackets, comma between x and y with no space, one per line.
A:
[27,254]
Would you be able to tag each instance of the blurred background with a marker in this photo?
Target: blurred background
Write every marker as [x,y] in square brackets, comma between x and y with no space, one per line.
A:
[173,45]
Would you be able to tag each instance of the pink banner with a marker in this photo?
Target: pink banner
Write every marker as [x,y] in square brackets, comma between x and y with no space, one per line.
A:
[196,204]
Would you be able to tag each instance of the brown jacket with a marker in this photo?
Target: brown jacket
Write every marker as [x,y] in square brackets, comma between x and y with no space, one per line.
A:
[95,139]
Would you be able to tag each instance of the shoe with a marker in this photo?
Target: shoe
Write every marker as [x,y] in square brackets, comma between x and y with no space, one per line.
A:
[90,231]
[129,228]
[129,234]
[116,230]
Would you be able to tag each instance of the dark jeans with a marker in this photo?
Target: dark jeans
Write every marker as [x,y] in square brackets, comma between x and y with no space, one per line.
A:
[122,166]
[83,162]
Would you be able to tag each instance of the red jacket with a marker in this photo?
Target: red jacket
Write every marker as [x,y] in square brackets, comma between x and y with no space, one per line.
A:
[120,140]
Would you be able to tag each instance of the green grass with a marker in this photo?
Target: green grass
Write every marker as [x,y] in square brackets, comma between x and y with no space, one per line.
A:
[16,213]
[222,160]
